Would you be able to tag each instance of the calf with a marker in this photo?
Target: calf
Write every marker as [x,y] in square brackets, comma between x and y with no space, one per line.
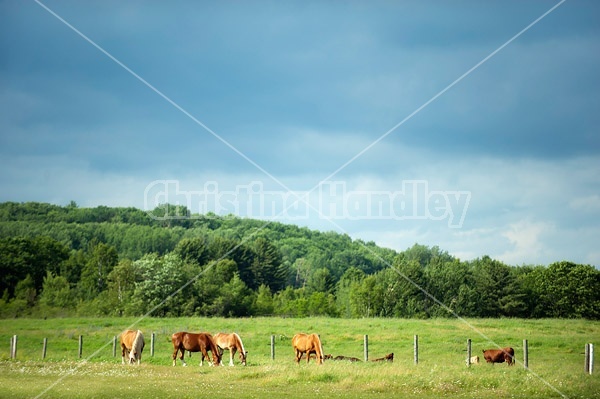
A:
[500,355]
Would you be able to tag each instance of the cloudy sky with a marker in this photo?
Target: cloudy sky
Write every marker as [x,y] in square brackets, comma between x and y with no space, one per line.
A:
[469,125]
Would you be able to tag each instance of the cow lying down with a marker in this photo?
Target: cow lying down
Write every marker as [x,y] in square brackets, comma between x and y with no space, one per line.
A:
[500,355]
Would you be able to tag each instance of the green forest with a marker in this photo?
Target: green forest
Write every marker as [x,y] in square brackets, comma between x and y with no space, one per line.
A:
[108,261]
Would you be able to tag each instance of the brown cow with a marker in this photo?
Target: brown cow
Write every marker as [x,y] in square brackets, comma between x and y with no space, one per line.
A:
[500,355]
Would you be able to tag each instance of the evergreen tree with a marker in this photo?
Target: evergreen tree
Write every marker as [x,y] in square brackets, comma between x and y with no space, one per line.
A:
[266,266]
[101,259]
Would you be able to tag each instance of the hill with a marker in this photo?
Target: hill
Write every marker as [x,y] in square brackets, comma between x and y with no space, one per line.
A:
[125,261]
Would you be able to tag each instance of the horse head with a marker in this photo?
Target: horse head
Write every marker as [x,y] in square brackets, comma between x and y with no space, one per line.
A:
[133,356]
[216,357]
[243,356]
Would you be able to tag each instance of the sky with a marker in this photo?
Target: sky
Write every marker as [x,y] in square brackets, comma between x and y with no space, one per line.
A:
[472,126]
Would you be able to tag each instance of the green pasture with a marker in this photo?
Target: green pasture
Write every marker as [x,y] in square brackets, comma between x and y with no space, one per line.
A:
[556,360]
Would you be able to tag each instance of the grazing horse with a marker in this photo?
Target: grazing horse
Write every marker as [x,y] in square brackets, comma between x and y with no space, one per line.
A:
[387,358]
[233,343]
[500,355]
[132,346]
[202,342]
[308,344]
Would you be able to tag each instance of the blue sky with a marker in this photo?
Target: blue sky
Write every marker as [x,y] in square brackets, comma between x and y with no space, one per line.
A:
[280,95]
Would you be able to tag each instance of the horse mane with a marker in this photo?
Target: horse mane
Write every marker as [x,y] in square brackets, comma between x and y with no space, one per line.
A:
[320,348]
[239,340]
[137,343]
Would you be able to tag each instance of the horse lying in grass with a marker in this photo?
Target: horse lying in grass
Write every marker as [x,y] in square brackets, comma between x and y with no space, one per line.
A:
[387,358]
[347,358]
[132,346]
[307,344]
[202,342]
[233,343]
[313,355]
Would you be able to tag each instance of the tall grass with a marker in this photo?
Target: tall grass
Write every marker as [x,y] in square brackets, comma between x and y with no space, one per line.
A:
[555,359]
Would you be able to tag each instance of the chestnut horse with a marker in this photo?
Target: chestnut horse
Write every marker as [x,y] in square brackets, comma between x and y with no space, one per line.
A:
[304,343]
[500,355]
[132,345]
[202,342]
[387,358]
[233,343]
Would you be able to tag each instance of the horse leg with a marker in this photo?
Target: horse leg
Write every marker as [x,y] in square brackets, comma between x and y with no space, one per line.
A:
[221,352]
[298,356]
[231,355]
[124,353]
[182,356]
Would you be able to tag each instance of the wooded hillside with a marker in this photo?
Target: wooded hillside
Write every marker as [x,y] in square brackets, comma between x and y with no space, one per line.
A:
[57,260]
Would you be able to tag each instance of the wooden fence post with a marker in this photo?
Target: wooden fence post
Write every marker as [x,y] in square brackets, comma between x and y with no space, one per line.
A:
[416,349]
[591,358]
[469,352]
[44,347]
[366,347]
[13,347]
[586,365]
[272,347]
[152,340]
[525,354]
[80,345]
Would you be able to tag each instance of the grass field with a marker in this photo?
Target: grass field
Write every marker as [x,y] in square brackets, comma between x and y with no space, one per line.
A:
[556,360]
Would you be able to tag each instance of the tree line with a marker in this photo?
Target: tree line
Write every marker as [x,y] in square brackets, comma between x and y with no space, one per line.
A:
[67,260]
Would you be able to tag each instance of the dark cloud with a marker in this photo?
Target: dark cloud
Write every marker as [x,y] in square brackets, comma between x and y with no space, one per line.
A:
[300,89]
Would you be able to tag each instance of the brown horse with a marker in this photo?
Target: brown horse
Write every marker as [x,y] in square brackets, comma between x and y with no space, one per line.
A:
[313,355]
[347,358]
[304,343]
[132,346]
[233,343]
[500,355]
[387,358]
[202,342]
